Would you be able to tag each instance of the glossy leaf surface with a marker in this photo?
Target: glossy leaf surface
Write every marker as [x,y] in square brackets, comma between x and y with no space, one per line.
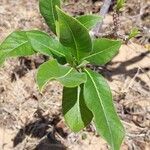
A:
[66,75]
[89,21]
[98,99]
[15,45]
[48,11]
[25,43]
[74,35]
[45,44]
[103,51]
[76,113]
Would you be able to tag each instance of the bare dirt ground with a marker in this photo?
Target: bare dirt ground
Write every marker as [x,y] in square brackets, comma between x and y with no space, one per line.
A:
[31,121]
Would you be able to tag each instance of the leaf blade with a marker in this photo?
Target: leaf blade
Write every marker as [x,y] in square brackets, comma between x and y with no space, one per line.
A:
[76,114]
[69,30]
[48,11]
[2,57]
[26,43]
[99,100]
[15,45]
[89,21]
[45,44]
[66,75]
[103,51]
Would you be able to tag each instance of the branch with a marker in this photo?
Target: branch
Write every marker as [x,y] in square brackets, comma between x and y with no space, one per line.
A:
[104,10]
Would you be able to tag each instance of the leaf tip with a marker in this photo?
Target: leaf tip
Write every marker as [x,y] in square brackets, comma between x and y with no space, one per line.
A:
[57,8]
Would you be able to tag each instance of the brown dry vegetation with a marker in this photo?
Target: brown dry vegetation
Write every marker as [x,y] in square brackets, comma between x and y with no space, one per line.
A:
[30,121]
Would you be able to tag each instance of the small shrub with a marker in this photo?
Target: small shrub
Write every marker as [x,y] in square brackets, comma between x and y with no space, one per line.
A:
[86,94]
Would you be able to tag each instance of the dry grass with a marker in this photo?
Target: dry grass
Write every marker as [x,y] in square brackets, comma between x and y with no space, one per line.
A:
[27,117]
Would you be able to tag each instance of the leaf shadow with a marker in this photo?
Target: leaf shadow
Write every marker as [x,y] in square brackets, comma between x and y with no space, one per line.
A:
[122,70]
[26,64]
[44,129]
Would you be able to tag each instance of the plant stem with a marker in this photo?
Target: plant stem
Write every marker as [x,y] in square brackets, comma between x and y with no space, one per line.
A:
[104,10]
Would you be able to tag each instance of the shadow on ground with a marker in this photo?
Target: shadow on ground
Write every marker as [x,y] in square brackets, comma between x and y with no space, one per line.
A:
[122,70]
[27,64]
[44,129]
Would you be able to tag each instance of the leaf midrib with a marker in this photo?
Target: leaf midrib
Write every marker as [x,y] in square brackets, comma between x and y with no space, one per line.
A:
[9,51]
[57,78]
[69,71]
[78,103]
[100,51]
[17,46]
[51,49]
[107,121]
[74,41]
[53,12]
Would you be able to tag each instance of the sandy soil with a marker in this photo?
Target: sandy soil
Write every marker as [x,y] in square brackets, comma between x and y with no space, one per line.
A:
[30,121]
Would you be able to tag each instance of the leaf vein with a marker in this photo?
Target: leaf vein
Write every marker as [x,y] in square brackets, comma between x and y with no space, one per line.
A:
[100,52]
[107,121]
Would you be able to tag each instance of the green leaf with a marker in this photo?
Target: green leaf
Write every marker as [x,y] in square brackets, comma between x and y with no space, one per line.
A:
[17,44]
[74,35]
[98,99]
[45,44]
[89,21]
[133,33]
[25,43]
[2,57]
[66,75]
[103,51]
[76,113]
[48,11]
[120,4]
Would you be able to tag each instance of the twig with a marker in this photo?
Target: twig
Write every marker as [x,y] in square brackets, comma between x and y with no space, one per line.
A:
[131,125]
[145,72]
[132,80]
[104,10]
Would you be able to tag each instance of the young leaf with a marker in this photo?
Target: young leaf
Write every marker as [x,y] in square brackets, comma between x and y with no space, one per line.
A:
[120,4]
[98,99]
[74,35]
[17,44]
[103,51]
[133,33]
[66,75]
[45,44]
[76,113]
[89,21]
[48,11]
